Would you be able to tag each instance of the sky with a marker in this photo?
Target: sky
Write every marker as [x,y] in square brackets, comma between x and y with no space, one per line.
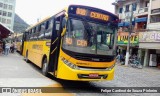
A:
[32,10]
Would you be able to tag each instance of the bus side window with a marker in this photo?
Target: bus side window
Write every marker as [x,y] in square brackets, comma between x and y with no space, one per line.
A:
[33,33]
[29,34]
[39,30]
[41,36]
[47,25]
[48,31]
[57,25]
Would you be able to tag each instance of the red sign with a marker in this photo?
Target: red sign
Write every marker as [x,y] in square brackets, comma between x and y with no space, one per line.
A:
[93,75]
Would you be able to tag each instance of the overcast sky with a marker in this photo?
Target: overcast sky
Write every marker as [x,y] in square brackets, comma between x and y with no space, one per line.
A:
[31,10]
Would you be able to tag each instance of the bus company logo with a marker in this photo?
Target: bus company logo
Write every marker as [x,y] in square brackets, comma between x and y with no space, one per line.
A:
[81,63]
[6,90]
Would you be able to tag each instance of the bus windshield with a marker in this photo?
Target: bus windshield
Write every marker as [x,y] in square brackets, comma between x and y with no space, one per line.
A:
[89,37]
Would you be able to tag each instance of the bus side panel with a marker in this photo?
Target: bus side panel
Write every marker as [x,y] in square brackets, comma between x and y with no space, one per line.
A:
[36,51]
[18,44]
[25,48]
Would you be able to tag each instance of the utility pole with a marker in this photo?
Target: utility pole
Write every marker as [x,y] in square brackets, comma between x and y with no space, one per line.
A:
[129,36]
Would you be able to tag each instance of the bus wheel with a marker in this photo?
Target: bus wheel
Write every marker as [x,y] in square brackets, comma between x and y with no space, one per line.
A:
[45,67]
[27,60]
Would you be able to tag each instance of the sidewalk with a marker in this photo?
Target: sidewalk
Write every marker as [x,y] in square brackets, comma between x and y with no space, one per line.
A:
[15,72]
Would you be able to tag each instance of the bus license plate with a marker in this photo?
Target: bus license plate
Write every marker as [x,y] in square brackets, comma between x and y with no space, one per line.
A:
[93,75]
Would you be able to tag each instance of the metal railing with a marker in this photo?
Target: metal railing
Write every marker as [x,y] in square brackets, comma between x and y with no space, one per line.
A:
[143,10]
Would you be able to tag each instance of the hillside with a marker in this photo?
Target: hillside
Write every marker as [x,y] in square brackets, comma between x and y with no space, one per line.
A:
[19,24]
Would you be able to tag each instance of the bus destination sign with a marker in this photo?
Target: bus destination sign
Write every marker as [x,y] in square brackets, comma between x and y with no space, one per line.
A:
[92,14]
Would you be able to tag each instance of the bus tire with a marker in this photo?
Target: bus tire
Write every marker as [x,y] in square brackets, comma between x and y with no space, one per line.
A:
[26,59]
[44,67]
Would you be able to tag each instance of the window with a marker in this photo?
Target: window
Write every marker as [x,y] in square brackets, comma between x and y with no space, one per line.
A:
[134,6]
[39,28]
[9,14]
[1,5]
[127,8]
[34,30]
[0,12]
[48,32]
[3,20]
[10,7]
[4,13]
[41,35]
[120,10]
[147,4]
[5,6]
[155,18]
[8,21]
[47,25]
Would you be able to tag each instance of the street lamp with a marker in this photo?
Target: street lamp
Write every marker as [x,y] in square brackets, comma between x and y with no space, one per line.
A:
[129,35]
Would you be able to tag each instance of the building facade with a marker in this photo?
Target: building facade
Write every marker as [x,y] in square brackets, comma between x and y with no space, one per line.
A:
[144,16]
[7,12]
[149,40]
[135,13]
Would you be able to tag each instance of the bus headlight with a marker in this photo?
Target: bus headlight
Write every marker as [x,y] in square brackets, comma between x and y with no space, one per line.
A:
[73,66]
[110,68]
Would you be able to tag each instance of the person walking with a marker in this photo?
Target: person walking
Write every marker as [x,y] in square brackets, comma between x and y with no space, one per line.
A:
[4,45]
[1,46]
[7,48]
[12,47]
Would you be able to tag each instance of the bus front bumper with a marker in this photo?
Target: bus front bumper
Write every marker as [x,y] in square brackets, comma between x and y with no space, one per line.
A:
[67,73]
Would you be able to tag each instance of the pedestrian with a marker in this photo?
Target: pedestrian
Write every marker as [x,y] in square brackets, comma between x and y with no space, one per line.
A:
[1,46]
[12,47]
[4,45]
[122,59]
[118,58]
[7,48]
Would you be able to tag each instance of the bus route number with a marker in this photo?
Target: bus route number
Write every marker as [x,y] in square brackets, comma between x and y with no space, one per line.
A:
[69,41]
[82,43]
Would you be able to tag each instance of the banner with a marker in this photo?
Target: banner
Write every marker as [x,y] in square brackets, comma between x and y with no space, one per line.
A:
[123,38]
[149,37]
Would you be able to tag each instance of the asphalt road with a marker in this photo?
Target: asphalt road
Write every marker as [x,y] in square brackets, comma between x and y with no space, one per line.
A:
[15,72]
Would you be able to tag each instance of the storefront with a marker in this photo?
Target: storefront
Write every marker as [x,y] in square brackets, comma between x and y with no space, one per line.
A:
[123,41]
[150,42]
[4,31]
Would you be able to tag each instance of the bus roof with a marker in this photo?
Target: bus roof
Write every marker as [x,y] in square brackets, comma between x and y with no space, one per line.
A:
[67,10]
[38,23]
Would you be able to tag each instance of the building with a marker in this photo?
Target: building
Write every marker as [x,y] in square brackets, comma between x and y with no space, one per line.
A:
[149,41]
[123,8]
[145,25]
[7,12]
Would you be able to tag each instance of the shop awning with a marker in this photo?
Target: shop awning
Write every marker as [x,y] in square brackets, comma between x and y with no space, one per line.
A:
[4,31]
[125,24]
[143,19]
[120,24]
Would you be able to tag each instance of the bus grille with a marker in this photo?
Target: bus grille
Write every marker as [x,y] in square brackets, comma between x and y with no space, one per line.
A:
[95,58]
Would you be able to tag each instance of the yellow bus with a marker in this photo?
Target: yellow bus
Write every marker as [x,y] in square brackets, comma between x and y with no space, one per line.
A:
[18,43]
[78,43]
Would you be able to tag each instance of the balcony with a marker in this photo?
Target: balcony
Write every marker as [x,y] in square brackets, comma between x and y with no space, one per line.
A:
[118,1]
[142,12]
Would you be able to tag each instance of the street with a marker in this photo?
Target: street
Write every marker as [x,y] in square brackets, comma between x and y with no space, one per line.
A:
[15,72]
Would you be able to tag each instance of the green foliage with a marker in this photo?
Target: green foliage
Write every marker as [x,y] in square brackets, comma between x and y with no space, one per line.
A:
[19,24]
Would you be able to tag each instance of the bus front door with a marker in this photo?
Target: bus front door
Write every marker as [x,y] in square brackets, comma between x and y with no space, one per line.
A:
[55,45]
